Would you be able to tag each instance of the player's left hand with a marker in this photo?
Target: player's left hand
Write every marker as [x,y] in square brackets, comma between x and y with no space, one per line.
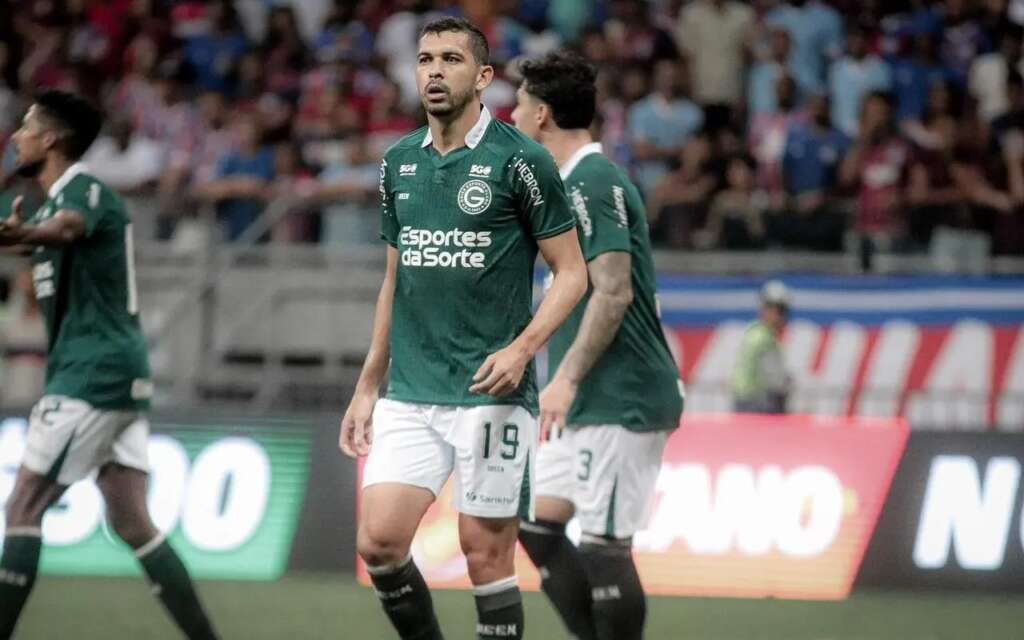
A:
[555,402]
[501,372]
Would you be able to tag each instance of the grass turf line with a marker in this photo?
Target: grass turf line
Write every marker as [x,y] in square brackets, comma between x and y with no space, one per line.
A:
[302,607]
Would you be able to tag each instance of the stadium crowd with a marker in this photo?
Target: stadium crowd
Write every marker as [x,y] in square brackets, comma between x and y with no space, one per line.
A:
[857,125]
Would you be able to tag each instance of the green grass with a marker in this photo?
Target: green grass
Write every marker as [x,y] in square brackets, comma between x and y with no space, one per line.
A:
[312,607]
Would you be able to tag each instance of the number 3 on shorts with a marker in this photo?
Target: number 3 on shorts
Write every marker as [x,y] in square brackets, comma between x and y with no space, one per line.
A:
[509,441]
[586,458]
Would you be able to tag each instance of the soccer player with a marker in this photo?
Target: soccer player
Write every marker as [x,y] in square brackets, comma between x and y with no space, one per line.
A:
[614,394]
[467,203]
[92,416]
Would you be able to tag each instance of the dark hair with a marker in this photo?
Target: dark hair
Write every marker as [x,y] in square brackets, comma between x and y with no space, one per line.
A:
[885,96]
[77,118]
[477,39]
[565,81]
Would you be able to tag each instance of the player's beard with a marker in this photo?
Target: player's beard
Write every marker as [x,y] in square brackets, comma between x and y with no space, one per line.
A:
[30,169]
[453,107]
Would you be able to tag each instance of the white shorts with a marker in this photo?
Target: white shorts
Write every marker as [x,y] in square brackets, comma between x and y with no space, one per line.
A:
[68,439]
[607,472]
[490,448]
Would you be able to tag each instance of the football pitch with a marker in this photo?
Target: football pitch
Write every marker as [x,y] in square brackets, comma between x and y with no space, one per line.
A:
[314,606]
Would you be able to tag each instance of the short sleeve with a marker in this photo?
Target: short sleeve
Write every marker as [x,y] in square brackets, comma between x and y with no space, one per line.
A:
[538,189]
[388,220]
[84,196]
[602,207]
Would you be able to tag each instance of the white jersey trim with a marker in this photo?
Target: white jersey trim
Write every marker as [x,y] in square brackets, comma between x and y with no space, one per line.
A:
[566,170]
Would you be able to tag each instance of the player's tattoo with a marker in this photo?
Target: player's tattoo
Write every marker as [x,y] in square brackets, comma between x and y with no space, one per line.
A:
[611,278]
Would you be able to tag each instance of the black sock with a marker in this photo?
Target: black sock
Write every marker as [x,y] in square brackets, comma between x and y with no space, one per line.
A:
[620,607]
[563,578]
[18,567]
[173,586]
[406,600]
[499,610]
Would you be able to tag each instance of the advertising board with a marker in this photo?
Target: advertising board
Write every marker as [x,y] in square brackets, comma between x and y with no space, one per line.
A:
[745,506]
[229,492]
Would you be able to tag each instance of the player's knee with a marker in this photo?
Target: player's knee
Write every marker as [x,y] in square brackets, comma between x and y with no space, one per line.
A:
[378,549]
[135,531]
[488,559]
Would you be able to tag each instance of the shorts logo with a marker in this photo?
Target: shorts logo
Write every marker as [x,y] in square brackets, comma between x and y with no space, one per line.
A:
[474,197]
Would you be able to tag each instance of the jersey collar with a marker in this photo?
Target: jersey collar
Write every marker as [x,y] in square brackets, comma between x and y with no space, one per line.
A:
[584,151]
[69,174]
[475,135]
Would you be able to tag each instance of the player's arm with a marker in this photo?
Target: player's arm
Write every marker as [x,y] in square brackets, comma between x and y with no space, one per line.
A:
[66,226]
[503,370]
[356,426]
[611,279]
[546,212]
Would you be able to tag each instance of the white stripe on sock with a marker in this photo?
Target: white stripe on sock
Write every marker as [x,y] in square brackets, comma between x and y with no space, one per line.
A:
[387,569]
[24,532]
[505,584]
[150,546]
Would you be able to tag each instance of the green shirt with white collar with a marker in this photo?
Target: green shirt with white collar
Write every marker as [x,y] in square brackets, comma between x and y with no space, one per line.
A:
[96,350]
[466,227]
[635,383]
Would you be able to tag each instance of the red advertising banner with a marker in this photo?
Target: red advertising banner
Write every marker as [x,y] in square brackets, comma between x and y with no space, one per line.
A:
[745,506]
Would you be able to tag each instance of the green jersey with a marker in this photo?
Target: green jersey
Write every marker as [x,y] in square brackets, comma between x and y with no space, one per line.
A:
[635,383]
[96,350]
[466,227]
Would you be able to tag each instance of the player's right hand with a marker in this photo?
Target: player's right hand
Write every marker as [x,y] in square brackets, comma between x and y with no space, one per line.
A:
[356,435]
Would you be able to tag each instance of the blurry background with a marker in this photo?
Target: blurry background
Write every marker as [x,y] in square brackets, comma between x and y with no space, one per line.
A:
[868,154]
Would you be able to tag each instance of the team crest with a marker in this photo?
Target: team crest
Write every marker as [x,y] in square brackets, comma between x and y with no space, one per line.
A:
[474,197]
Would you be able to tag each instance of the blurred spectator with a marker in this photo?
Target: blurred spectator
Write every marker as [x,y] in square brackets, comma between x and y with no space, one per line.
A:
[345,36]
[9,101]
[812,218]
[963,39]
[124,159]
[661,123]
[914,75]
[989,73]
[130,163]
[213,54]
[397,43]
[678,206]
[768,133]
[816,33]
[853,77]
[571,17]
[135,94]
[943,105]
[294,186]
[736,218]
[877,166]
[715,35]
[241,186]
[350,188]
[284,53]
[947,196]
[760,382]
[634,36]
[387,121]
[765,74]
